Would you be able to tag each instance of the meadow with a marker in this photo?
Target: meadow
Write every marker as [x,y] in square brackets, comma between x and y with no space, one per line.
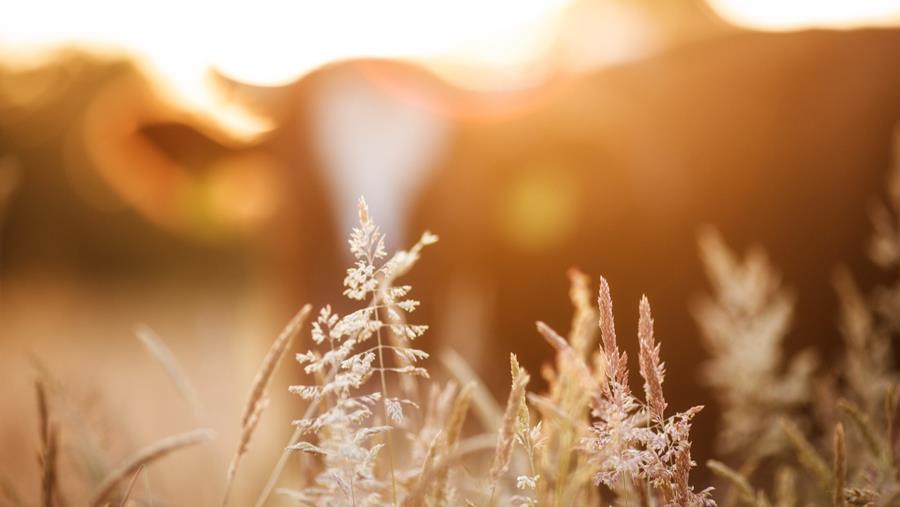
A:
[379,428]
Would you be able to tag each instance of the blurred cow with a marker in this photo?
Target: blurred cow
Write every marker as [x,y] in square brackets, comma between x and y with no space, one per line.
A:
[780,140]
[777,139]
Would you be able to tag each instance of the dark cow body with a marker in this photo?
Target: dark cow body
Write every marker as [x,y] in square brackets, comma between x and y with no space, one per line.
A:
[781,140]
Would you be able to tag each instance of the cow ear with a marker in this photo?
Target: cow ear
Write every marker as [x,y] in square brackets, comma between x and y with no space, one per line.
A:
[177,168]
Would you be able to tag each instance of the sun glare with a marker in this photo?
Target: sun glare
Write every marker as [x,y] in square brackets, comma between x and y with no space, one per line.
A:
[276,42]
[779,15]
[501,44]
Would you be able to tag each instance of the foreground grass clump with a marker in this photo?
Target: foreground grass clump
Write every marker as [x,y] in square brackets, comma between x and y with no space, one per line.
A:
[369,451]
[806,434]
[378,431]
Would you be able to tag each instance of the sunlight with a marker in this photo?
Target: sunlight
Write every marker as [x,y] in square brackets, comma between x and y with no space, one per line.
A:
[277,42]
[799,14]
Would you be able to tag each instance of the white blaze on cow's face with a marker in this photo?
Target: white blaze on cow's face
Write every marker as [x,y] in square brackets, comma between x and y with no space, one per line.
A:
[373,143]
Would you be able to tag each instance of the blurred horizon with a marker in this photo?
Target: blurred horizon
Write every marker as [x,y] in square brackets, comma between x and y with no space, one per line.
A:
[503,46]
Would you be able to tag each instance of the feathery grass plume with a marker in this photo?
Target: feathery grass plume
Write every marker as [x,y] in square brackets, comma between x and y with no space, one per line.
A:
[786,487]
[861,389]
[869,374]
[438,404]
[867,497]
[874,463]
[439,467]
[507,431]
[424,449]
[451,434]
[626,444]
[884,248]
[748,495]
[807,454]
[616,435]
[419,495]
[565,473]
[891,420]
[583,331]
[130,487]
[243,445]
[107,489]
[83,445]
[616,363]
[864,426]
[884,245]
[486,408]
[743,326]
[256,403]
[631,443]
[49,449]
[344,369]
[430,473]
[273,358]
[529,437]
[164,356]
[457,418]
[840,467]
[631,447]
[568,356]
[867,368]
[652,370]
[396,307]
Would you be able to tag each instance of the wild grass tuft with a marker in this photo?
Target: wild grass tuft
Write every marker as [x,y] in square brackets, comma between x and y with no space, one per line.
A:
[377,429]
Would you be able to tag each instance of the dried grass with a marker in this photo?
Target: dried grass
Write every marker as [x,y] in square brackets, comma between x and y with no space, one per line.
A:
[164,356]
[589,438]
[256,403]
[49,449]
[107,489]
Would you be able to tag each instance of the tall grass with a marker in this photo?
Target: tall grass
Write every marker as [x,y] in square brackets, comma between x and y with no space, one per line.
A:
[378,430]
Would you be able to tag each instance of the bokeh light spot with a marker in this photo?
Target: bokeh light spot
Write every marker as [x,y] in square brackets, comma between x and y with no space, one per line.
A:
[538,210]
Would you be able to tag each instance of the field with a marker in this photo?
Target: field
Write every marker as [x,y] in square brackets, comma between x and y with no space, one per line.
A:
[377,429]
